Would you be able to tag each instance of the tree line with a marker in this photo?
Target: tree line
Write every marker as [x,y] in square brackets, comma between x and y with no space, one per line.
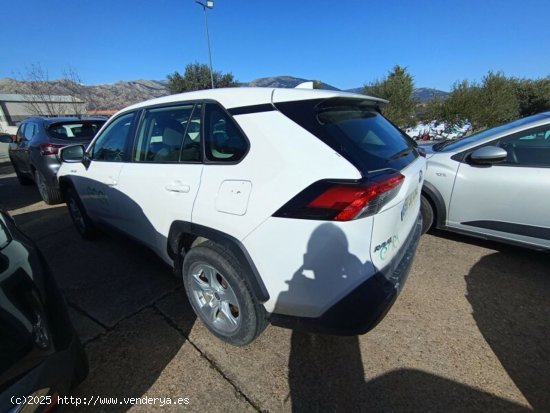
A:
[495,100]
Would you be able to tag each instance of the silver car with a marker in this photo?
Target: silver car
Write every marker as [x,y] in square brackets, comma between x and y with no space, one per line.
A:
[493,185]
[33,152]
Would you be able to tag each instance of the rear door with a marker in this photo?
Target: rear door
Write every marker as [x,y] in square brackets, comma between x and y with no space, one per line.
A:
[160,183]
[507,200]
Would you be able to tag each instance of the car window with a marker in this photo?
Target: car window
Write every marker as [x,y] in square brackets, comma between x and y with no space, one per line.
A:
[30,130]
[355,129]
[528,148]
[164,134]
[4,234]
[74,130]
[112,144]
[224,141]
[458,144]
[21,132]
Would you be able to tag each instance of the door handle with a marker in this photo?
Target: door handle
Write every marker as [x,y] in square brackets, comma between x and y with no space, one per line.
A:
[178,187]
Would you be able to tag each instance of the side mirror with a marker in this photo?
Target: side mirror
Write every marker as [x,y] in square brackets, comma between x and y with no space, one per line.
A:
[488,155]
[72,154]
[6,138]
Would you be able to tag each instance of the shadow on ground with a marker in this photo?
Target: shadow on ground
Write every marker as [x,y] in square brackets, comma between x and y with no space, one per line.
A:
[511,307]
[326,375]
[112,286]
[12,194]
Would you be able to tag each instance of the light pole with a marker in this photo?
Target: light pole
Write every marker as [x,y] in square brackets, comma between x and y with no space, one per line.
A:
[208,5]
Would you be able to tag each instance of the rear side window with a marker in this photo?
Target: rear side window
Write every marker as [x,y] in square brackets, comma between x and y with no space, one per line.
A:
[224,140]
[83,130]
[166,134]
[355,129]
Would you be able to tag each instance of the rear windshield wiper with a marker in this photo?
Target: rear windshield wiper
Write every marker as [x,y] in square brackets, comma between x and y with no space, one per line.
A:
[399,154]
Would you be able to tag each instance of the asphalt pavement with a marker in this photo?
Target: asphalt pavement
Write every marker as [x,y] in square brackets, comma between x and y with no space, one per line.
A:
[469,333]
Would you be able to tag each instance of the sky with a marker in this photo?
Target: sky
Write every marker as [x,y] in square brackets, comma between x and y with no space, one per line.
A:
[346,44]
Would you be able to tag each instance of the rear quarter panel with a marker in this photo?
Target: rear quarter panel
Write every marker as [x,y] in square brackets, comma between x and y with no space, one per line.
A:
[283,160]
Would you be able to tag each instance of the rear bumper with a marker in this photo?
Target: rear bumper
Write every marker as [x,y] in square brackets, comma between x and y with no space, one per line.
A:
[364,307]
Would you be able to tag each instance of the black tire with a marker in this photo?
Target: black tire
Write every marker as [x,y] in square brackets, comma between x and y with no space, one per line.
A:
[23,179]
[50,196]
[80,218]
[427,214]
[229,284]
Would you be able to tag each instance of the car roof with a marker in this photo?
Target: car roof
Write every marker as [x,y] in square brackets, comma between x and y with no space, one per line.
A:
[249,96]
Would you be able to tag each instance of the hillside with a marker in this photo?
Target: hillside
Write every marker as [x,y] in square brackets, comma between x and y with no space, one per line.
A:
[104,96]
[120,94]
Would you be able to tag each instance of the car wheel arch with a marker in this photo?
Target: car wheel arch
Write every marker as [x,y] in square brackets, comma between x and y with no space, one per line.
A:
[433,196]
[185,235]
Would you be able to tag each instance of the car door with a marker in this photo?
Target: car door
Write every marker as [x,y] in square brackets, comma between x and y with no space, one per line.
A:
[19,150]
[507,200]
[96,180]
[162,180]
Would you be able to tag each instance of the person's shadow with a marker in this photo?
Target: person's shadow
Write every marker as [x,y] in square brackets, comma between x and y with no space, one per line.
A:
[326,373]
[327,264]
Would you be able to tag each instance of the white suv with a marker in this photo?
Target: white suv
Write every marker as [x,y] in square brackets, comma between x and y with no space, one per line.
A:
[297,207]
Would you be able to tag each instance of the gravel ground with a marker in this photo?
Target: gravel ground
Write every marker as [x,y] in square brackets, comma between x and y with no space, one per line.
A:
[469,333]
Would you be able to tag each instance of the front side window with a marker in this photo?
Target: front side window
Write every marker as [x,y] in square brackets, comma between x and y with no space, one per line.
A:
[224,142]
[530,148]
[30,130]
[21,132]
[167,133]
[113,142]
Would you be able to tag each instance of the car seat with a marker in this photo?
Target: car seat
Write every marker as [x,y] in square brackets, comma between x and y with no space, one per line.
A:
[172,137]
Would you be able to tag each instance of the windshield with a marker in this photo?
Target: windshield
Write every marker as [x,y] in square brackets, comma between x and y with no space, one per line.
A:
[71,130]
[465,141]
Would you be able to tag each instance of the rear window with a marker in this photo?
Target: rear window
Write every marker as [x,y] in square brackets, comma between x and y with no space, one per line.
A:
[355,129]
[80,130]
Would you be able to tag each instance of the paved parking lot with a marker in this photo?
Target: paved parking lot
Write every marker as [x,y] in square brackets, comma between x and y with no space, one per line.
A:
[470,332]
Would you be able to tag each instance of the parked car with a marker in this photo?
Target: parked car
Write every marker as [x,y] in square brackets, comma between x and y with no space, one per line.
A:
[494,184]
[34,151]
[40,354]
[300,207]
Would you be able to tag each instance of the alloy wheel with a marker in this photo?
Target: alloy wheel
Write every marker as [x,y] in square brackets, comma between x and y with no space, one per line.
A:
[214,298]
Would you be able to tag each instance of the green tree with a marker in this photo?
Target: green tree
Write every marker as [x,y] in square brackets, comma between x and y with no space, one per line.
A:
[397,87]
[495,101]
[533,95]
[462,103]
[498,102]
[197,77]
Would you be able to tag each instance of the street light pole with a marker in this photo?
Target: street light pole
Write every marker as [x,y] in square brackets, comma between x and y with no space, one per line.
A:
[208,5]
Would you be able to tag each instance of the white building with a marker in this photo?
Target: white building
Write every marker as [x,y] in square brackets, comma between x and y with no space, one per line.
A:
[15,107]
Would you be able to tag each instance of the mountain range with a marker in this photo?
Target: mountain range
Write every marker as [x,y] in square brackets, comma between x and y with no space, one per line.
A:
[120,94]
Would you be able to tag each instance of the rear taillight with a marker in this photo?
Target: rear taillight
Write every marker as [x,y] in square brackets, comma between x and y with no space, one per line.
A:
[337,201]
[50,149]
